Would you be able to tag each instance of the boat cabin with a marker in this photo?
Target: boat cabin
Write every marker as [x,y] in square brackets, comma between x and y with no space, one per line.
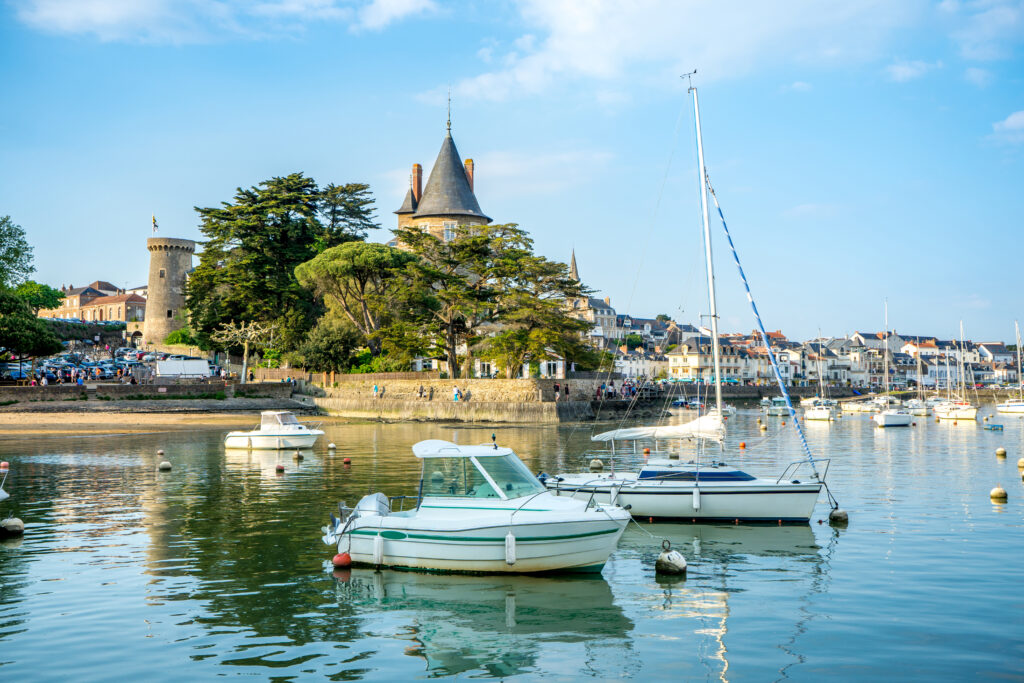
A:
[275,419]
[485,471]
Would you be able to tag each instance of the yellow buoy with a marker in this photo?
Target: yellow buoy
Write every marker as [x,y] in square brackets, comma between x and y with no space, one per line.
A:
[1001,452]
[1020,464]
[998,494]
[764,428]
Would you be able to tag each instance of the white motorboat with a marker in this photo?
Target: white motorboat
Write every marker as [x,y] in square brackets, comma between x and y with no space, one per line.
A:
[1015,406]
[893,417]
[670,488]
[479,510]
[823,409]
[277,430]
[778,407]
[916,407]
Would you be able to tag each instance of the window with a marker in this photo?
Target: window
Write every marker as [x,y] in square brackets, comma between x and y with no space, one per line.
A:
[449,232]
[511,475]
[161,272]
[170,313]
[454,478]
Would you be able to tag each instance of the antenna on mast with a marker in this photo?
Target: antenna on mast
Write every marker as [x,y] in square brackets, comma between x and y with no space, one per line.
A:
[689,79]
[449,110]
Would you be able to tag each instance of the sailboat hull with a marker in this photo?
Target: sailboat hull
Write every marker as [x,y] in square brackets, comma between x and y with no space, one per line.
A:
[1010,408]
[759,501]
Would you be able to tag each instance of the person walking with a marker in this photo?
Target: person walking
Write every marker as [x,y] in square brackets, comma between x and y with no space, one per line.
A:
[567,392]
[376,390]
[251,376]
[557,389]
[455,394]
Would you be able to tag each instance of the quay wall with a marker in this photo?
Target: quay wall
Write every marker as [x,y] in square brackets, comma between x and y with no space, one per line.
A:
[157,391]
[530,412]
[47,393]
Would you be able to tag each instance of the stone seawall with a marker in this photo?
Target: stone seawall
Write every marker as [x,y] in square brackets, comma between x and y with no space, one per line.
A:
[47,393]
[530,412]
[158,391]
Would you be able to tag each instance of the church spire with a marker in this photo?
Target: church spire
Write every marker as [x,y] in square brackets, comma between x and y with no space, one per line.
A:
[573,272]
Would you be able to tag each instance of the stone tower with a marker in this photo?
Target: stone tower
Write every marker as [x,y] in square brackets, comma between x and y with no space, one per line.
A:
[448,200]
[170,261]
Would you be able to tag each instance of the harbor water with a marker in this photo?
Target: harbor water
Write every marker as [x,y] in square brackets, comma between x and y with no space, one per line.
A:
[216,568]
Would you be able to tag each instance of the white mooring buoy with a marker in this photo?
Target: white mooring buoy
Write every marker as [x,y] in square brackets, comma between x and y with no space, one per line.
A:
[998,494]
[596,465]
[1020,464]
[670,561]
[298,455]
[331,447]
[160,452]
[12,526]
[165,466]
[1001,452]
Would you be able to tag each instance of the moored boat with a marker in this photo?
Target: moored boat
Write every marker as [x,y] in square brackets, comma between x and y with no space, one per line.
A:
[277,430]
[479,510]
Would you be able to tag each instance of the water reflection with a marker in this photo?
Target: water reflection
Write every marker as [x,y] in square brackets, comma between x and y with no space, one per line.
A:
[499,625]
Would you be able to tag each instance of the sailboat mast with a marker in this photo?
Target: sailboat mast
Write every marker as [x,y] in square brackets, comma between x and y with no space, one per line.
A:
[715,351]
[885,354]
[1020,378]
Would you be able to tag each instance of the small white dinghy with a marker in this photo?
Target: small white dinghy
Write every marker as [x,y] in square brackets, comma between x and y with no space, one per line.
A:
[480,509]
[278,430]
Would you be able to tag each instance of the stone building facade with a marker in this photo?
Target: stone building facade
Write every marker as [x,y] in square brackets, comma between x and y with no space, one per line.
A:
[170,262]
[99,301]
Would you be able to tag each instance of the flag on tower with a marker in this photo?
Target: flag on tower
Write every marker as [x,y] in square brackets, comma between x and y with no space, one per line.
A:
[154,224]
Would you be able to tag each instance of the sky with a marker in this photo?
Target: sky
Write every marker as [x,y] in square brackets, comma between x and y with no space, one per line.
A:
[863,151]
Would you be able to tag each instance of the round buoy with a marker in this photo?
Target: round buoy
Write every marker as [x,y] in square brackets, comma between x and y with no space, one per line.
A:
[783,423]
[596,465]
[985,419]
[12,526]
[954,421]
[1020,464]
[280,468]
[743,444]
[913,424]
[298,455]
[1001,452]
[758,420]
[165,466]
[838,516]
[998,494]
[331,447]
[342,560]
[670,561]
[160,452]
[937,420]
[347,461]
[763,428]
[4,466]
[647,451]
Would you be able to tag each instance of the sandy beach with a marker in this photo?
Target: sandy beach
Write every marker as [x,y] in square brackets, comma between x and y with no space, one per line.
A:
[16,425]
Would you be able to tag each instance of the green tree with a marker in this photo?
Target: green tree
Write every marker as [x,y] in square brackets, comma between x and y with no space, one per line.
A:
[254,243]
[22,334]
[329,347]
[663,317]
[181,337]
[363,280]
[38,296]
[15,254]
[633,341]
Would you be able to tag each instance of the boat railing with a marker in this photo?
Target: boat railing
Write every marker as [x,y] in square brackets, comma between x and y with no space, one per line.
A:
[794,467]
[401,501]
[311,425]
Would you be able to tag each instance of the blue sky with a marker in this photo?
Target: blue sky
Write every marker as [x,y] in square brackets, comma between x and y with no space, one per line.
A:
[862,150]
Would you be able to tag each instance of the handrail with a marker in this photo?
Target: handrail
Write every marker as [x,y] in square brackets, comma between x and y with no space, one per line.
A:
[793,467]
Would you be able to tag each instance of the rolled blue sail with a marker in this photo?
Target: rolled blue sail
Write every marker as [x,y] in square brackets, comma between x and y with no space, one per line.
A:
[761,330]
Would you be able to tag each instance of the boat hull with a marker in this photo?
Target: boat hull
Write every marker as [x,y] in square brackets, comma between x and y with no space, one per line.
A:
[820,414]
[884,419]
[754,502]
[964,413]
[573,546]
[271,441]
[1010,408]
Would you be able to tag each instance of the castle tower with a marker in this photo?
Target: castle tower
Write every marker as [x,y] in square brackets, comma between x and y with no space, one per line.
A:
[170,261]
[448,200]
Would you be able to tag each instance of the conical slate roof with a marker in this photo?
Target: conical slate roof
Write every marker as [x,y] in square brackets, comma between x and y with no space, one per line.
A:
[574,273]
[409,205]
[447,192]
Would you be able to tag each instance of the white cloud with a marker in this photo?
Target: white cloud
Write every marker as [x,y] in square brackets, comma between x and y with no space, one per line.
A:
[1010,129]
[986,29]
[191,21]
[380,13]
[902,71]
[797,86]
[612,41]
[978,77]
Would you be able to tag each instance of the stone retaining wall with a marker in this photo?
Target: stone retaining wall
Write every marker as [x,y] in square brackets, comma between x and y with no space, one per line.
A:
[264,390]
[47,393]
[120,391]
[473,390]
[530,412]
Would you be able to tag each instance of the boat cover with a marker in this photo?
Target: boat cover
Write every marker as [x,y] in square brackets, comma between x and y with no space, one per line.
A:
[704,427]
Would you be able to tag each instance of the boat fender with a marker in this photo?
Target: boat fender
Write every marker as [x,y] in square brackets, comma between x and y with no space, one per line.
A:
[510,548]
[670,561]
[696,499]
[342,560]
[378,550]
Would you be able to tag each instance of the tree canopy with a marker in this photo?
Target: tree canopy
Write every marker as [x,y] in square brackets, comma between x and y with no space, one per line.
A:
[247,267]
[15,254]
[39,296]
[22,334]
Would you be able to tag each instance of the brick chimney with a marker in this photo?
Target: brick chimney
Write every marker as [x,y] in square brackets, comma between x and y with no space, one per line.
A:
[417,182]
[469,173]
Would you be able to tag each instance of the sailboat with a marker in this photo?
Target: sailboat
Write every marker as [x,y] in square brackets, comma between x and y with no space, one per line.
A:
[917,406]
[667,487]
[821,408]
[889,416]
[958,407]
[1015,406]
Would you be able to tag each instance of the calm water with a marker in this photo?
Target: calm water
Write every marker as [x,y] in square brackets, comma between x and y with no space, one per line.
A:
[217,568]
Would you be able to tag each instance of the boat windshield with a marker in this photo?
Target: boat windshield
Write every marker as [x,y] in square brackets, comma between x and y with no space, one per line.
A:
[511,475]
[276,419]
[455,478]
